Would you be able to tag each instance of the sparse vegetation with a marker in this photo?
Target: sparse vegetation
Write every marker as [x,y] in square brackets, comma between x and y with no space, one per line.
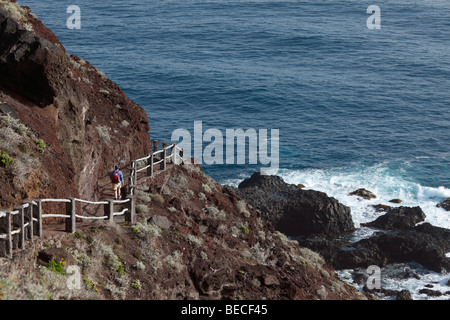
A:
[206,188]
[142,196]
[174,260]
[103,132]
[141,208]
[77,235]
[241,206]
[140,265]
[136,284]
[194,240]
[156,197]
[40,144]
[5,159]
[14,124]
[91,285]
[57,267]
[16,12]
[213,212]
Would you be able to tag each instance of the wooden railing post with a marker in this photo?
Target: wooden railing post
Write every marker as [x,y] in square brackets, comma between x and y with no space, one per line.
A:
[5,228]
[173,153]
[150,164]
[132,177]
[130,215]
[164,155]
[109,210]
[29,219]
[155,145]
[70,211]
[37,214]
[19,222]
[152,160]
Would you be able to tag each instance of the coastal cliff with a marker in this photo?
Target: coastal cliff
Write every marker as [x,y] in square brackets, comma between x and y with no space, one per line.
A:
[67,123]
[61,123]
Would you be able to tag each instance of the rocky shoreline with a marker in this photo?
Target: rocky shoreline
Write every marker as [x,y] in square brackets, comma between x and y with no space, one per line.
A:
[324,225]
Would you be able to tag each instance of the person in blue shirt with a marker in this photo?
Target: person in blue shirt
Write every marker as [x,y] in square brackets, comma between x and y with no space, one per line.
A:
[116,179]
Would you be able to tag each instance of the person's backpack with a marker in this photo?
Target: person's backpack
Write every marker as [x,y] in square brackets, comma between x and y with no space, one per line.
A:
[115,178]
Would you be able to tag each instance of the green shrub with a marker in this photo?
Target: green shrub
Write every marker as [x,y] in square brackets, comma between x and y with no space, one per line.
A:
[119,267]
[90,239]
[40,144]
[136,284]
[91,285]
[5,159]
[77,235]
[57,267]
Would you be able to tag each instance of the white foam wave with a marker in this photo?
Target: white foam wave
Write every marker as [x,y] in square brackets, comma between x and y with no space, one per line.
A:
[379,179]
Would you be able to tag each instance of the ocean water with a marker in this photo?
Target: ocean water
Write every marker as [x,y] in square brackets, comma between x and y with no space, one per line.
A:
[355,107]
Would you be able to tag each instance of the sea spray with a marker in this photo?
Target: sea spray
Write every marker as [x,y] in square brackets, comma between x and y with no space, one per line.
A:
[381,180]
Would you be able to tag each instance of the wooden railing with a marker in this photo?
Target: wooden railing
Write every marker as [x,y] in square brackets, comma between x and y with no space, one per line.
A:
[25,221]
[149,162]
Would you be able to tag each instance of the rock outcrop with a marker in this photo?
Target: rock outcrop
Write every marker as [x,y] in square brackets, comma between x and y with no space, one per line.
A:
[399,218]
[425,244]
[445,204]
[85,121]
[363,193]
[292,210]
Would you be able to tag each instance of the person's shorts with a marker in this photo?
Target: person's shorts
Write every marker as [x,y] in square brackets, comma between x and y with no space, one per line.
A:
[116,186]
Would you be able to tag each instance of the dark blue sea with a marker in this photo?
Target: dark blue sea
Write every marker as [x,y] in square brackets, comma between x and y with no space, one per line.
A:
[355,107]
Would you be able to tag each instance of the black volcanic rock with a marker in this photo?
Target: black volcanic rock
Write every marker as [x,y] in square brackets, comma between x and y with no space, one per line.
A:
[363,193]
[425,244]
[445,204]
[295,211]
[400,218]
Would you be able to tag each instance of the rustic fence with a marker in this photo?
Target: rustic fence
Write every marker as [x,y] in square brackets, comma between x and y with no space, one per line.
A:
[167,154]
[25,221]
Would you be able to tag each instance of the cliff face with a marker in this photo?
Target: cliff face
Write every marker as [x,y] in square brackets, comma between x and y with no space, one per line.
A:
[294,211]
[85,121]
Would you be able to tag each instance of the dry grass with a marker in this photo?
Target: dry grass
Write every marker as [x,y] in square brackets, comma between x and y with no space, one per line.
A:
[15,11]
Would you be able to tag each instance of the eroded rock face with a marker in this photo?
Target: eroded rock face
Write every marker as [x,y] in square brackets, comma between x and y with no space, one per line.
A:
[86,121]
[295,211]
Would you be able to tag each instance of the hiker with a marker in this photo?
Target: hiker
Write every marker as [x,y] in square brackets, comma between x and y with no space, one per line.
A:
[116,179]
